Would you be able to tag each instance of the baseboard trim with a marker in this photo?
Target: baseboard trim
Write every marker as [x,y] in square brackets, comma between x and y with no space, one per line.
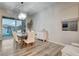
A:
[57,43]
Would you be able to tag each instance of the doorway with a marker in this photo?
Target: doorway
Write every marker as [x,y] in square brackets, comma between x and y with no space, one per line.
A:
[9,25]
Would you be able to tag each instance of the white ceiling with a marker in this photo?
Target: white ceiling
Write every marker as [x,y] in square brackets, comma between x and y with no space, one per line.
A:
[28,7]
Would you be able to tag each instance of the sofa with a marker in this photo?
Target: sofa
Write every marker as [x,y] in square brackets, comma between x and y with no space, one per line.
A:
[71,50]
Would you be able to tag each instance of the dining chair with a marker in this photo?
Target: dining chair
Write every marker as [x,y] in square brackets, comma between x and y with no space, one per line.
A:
[30,38]
[45,36]
[42,35]
[16,38]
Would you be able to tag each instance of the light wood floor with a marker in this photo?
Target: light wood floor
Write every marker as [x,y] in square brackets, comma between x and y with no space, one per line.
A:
[10,48]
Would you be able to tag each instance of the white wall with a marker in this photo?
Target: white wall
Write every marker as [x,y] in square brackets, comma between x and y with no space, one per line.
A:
[51,19]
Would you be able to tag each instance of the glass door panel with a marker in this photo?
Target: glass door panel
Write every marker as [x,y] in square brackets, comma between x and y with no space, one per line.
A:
[9,25]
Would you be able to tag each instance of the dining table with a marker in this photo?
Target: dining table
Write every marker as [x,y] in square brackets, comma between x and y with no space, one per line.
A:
[22,36]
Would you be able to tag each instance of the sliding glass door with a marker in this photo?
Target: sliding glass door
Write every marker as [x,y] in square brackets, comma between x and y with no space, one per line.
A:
[9,25]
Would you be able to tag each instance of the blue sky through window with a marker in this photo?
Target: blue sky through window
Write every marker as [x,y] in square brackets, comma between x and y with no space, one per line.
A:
[8,22]
[11,22]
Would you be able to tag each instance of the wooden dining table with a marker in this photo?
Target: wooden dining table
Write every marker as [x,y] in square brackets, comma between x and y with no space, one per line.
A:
[22,36]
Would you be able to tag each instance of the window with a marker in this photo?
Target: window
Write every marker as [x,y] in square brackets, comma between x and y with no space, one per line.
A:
[9,25]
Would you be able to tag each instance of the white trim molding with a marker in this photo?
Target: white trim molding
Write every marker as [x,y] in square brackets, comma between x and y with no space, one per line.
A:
[57,43]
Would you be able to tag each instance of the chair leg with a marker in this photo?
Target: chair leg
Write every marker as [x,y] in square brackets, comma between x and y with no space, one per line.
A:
[28,44]
[24,44]
[31,44]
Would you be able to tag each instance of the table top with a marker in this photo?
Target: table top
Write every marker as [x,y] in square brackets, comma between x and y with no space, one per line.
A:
[21,34]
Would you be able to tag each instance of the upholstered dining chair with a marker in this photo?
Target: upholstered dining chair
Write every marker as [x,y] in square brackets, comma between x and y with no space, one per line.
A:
[16,38]
[30,38]
[42,35]
[45,36]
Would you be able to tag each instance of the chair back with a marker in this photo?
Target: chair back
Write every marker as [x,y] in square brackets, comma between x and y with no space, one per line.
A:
[45,35]
[31,36]
[15,36]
